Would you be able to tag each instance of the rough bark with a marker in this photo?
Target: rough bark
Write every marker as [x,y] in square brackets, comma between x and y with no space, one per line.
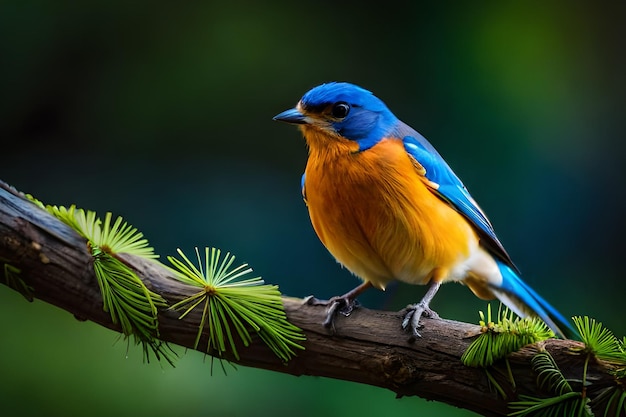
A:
[367,347]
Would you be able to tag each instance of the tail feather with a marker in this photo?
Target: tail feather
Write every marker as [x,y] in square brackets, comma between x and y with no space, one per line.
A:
[524,301]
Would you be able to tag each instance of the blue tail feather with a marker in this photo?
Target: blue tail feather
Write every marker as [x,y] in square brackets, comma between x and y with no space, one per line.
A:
[526,300]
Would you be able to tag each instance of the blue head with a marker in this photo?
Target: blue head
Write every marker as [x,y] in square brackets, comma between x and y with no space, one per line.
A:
[343,110]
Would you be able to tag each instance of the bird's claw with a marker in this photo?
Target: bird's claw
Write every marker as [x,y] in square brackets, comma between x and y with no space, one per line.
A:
[412,319]
[341,304]
[312,301]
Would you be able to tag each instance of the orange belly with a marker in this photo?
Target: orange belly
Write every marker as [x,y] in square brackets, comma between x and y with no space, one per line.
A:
[375,214]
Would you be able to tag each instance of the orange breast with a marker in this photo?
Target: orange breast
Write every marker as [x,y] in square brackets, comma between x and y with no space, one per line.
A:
[374,212]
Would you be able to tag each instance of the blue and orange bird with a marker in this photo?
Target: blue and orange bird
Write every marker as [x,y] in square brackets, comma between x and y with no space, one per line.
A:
[388,207]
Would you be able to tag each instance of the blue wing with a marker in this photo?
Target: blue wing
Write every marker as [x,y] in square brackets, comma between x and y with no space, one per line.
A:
[302,189]
[449,188]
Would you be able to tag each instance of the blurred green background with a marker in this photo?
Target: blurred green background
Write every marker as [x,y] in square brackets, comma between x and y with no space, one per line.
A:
[161,113]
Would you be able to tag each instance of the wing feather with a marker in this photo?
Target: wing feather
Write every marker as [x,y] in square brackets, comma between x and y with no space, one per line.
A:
[444,183]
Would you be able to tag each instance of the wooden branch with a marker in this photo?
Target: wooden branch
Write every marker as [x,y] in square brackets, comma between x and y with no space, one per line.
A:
[368,347]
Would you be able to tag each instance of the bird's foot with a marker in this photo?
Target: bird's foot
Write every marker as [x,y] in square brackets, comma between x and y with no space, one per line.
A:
[412,318]
[341,304]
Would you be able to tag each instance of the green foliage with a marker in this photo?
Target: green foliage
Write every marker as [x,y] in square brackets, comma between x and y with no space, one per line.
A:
[564,401]
[600,341]
[571,404]
[615,399]
[125,297]
[130,303]
[549,376]
[120,237]
[620,373]
[602,344]
[13,280]
[509,334]
[231,306]
[35,201]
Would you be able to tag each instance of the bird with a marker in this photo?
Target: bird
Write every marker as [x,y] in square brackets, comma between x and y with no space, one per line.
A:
[388,207]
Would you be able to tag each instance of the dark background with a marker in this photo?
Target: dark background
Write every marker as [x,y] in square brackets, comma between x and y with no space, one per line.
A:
[162,113]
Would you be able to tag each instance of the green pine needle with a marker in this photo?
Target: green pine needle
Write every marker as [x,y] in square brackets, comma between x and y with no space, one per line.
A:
[549,376]
[615,399]
[499,339]
[600,341]
[68,216]
[620,373]
[35,201]
[125,297]
[563,400]
[232,307]
[571,404]
[158,348]
[13,280]
[119,237]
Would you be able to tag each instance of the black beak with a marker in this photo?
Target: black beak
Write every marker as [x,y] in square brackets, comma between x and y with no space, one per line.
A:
[292,116]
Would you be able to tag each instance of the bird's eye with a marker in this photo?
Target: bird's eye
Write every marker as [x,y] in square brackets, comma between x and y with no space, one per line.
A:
[340,110]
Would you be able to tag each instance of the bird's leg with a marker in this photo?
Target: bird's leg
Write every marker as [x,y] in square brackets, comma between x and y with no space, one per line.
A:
[343,304]
[416,311]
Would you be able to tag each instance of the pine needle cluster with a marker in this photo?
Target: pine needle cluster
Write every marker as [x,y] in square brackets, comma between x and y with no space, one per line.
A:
[562,399]
[500,338]
[124,295]
[232,306]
